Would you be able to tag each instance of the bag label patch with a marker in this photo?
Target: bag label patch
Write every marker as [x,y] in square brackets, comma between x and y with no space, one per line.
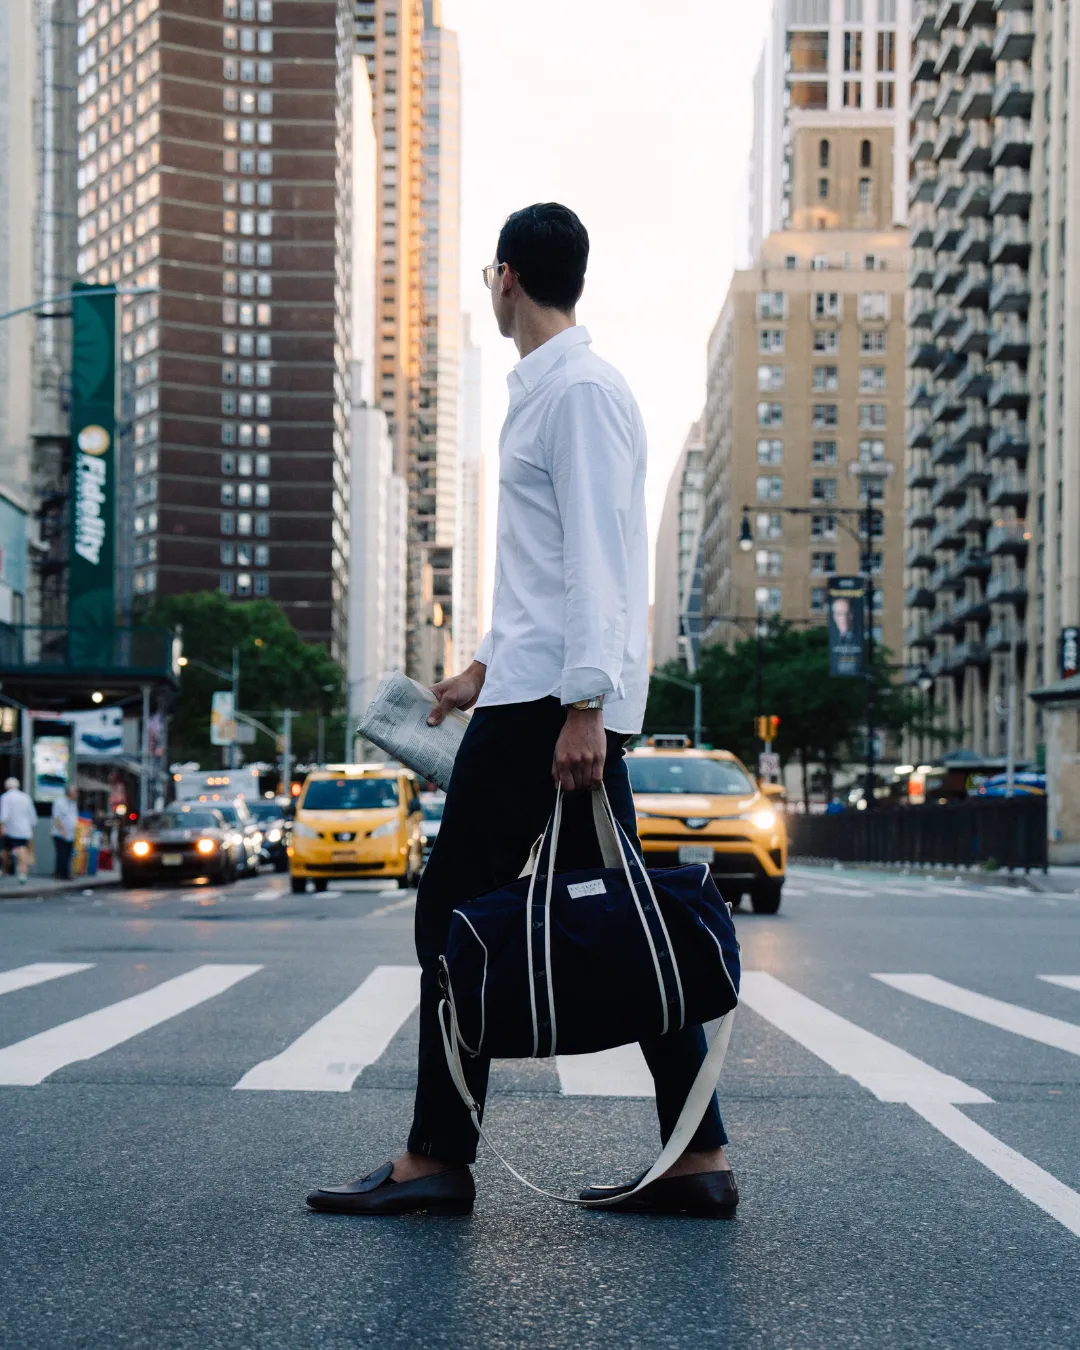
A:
[580,888]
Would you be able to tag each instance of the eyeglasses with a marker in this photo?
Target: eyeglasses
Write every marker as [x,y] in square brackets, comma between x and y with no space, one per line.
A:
[490,272]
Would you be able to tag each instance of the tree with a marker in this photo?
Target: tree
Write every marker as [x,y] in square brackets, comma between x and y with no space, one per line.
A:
[278,669]
[822,716]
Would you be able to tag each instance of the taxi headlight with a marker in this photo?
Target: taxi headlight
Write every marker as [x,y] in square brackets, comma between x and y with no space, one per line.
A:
[140,848]
[305,831]
[386,828]
[764,819]
[206,846]
[274,836]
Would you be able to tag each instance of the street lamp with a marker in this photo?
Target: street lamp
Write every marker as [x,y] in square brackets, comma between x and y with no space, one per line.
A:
[746,534]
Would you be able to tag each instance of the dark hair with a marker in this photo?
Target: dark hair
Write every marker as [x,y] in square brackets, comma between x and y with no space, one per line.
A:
[548,247]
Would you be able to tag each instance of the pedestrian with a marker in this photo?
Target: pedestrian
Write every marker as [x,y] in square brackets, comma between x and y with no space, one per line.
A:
[65,819]
[559,685]
[18,817]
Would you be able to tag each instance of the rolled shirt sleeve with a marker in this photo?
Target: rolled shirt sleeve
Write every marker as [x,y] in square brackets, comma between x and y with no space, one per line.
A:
[483,652]
[590,445]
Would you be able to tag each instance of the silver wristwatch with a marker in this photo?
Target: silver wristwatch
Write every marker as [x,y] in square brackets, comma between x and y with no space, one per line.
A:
[587,704]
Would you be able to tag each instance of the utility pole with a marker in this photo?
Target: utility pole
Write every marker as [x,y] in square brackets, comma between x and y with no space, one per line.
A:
[286,752]
[144,754]
[233,751]
[1010,721]
[868,569]
[320,754]
[759,653]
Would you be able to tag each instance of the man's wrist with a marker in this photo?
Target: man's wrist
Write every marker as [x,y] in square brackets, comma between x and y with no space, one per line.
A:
[585,705]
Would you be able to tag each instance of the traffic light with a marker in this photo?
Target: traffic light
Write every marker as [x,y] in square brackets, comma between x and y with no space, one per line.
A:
[765,728]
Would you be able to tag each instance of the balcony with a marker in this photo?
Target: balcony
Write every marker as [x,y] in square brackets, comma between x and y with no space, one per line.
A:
[945,321]
[1012,143]
[924,182]
[973,291]
[973,381]
[922,355]
[977,98]
[1009,441]
[947,228]
[923,266]
[973,334]
[974,12]
[968,654]
[106,654]
[943,578]
[947,277]
[917,635]
[1010,537]
[972,562]
[922,142]
[948,406]
[1010,391]
[946,492]
[949,45]
[971,471]
[950,134]
[919,553]
[920,431]
[923,61]
[921,225]
[947,188]
[1010,241]
[1011,195]
[946,534]
[974,198]
[918,597]
[1011,294]
[920,308]
[920,395]
[945,450]
[973,152]
[973,245]
[973,428]
[1000,637]
[1008,489]
[919,474]
[1012,97]
[972,608]
[1015,37]
[971,517]
[940,663]
[923,95]
[1007,587]
[1010,342]
[943,621]
[977,53]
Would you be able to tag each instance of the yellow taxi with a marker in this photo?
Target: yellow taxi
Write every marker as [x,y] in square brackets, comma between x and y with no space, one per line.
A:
[704,806]
[357,820]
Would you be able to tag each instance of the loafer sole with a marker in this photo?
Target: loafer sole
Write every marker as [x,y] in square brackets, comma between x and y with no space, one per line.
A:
[322,1204]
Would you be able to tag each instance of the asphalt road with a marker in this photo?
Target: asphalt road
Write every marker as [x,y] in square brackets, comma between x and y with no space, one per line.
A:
[176,1079]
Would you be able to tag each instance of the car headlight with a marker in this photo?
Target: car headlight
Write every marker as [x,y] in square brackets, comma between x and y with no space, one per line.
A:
[764,819]
[387,827]
[206,846]
[274,836]
[305,831]
[140,848]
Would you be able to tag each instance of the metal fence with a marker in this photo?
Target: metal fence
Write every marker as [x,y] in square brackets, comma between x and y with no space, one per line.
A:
[1009,832]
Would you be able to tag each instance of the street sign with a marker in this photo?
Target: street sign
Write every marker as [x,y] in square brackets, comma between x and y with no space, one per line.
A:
[768,764]
[245,735]
[222,719]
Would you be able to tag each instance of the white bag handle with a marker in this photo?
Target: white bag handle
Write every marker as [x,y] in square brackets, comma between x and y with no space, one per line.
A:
[605,834]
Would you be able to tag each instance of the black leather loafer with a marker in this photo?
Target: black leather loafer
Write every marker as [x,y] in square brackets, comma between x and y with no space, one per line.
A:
[449,1192]
[701,1195]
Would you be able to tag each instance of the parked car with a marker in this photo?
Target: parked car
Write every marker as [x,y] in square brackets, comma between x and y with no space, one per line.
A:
[276,830]
[187,840]
[237,815]
[431,803]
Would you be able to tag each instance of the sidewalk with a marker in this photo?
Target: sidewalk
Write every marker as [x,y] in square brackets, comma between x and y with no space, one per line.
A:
[39,888]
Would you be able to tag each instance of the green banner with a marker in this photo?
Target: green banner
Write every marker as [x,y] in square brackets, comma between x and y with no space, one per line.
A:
[91,583]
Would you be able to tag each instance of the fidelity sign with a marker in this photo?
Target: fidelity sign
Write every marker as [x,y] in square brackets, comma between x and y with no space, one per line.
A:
[91,598]
[91,492]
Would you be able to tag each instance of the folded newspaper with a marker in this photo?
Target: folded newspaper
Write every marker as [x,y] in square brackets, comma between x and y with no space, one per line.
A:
[397,722]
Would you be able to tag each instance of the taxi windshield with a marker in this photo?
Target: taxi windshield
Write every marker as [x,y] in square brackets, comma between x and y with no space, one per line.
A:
[350,794]
[678,773]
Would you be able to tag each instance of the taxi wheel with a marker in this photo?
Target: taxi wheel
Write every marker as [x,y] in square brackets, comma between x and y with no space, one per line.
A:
[320,884]
[765,896]
[298,884]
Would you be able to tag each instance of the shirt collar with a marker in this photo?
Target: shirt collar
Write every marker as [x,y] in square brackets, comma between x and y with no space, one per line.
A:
[531,369]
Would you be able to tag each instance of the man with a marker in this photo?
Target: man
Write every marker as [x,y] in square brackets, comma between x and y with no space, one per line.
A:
[65,819]
[18,817]
[559,683]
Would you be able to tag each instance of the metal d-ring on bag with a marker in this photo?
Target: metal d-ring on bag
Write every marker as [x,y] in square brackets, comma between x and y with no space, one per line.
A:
[577,962]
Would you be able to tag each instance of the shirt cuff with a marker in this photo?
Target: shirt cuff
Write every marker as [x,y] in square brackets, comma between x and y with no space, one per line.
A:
[483,652]
[581,682]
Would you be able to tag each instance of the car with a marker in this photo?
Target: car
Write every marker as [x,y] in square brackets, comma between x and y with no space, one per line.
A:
[704,806]
[431,803]
[185,840]
[356,820]
[275,828]
[239,818]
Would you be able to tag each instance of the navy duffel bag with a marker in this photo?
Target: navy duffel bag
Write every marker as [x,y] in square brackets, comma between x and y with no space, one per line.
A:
[576,962]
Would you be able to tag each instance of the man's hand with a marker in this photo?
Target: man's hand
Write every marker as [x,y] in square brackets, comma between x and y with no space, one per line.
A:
[460,691]
[581,750]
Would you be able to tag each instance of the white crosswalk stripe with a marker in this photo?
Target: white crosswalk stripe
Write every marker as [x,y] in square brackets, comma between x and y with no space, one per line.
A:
[22,977]
[610,1073]
[31,1061]
[1064,981]
[330,1055]
[1034,1026]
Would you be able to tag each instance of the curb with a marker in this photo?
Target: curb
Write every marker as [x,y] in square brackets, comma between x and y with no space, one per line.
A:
[43,888]
[1020,881]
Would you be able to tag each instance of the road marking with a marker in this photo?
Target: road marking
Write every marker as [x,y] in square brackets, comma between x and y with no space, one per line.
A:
[271,893]
[859,1054]
[1024,1176]
[330,1055]
[407,903]
[1033,1026]
[31,1061]
[890,1073]
[22,977]
[1065,981]
[610,1073]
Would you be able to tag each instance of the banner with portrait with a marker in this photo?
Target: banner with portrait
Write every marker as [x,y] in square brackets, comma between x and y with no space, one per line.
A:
[847,626]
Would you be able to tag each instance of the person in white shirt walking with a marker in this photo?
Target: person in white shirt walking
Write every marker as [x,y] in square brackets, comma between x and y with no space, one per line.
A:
[65,820]
[559,684]
[18,817]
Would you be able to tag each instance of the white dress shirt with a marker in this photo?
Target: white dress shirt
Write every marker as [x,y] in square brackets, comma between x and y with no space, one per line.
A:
[65,818]
[570,615]
[18,815]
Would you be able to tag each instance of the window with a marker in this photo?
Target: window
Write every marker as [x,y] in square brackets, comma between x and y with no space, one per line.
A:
[228,372]
[262,373]
[819,263]
[228,462]
[824,452]
[808,94]
[808,53]
[228,523]
[824,415]
[826,379]
[823,527]
[770,452]
[823,489]
[228,433]
[852,94]
[262,494]
[228,404]
[877,525]
[771,340]
[866,155]
[770,414]
[262,433]
[871,414]
[886,51]
[226,584]
[770,488]
[823,154]
[243,523]
[791,262]
[827,304]
[823,189]
[266,72]
[229,102]
[886,94]
[262,345]
[853,50]
[228,494]
[264,194]
[262,409]
[266,11]
[264,256]
[228,555]
[772,305]
[873,305]
[817,599]
[262,525]
[266,41]
[262,555]
[265,162]
[266,222]
[243,583]
[243,466]
[873,263]
[770,526]
[871,449]
[872,340]
[262,466]
[770,562]
[768,599]
[247,71]
[266,132]
[864,196]
[262,315]
[228,37]
[826,341]
[770,378]
[872,380]
[262,584]
[822,564]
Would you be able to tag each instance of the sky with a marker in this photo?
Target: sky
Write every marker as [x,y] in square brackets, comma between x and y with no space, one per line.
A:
[638,116]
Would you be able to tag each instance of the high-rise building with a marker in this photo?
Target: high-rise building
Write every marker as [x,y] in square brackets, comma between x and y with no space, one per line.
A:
[969,391]
[805,397]
[413,64]
[214,166]
[676,628]
[469,541]
[826,64]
